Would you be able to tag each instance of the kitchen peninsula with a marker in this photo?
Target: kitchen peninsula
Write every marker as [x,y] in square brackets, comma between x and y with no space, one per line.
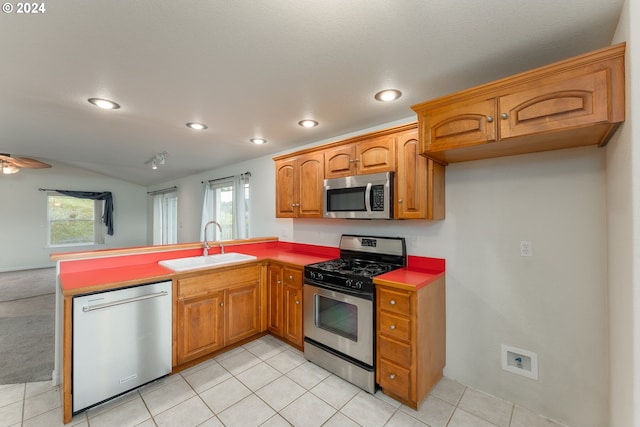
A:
[237,297]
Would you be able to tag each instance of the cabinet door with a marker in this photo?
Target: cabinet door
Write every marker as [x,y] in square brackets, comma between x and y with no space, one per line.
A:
[293,331]
[458,125]
[311,177]
[376,155]
[340,161]
[286,188]
[274,299]
[242,312]
[574,101]
[410,178]
[200,326]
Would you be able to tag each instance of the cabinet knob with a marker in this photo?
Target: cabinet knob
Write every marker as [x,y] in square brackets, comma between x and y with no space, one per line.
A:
[297,302]
[392,302]
[290,277]
[504,116]
[392,327]
[392,376]
[489,119]
[279,282]
[221,304]
[399,200]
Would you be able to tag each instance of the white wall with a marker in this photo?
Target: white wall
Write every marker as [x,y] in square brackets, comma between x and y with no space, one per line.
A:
[554,303]
[23,213]
[623,207]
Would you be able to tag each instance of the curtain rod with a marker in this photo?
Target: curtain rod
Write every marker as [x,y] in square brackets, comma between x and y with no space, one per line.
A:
[164,190]
[226,177]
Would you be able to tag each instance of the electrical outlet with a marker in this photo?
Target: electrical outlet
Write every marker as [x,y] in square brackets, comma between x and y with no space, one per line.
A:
[526,248]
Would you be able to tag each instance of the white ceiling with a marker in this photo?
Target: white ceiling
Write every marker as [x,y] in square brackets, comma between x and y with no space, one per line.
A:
[255,68]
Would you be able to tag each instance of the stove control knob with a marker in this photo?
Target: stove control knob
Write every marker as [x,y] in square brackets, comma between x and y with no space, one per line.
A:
[349,283]
[358,285]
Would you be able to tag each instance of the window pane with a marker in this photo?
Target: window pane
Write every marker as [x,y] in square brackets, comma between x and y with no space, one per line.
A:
[224,210]
[72,221]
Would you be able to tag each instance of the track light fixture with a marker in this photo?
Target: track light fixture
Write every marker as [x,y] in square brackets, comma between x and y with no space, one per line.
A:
[157,160]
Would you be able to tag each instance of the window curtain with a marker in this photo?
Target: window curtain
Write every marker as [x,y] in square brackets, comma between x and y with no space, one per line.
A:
[165,220]
[107,216]
[240,205]
[207,208]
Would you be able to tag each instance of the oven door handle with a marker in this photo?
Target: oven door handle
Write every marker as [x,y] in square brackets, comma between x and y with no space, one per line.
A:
[344,291]
[367,198]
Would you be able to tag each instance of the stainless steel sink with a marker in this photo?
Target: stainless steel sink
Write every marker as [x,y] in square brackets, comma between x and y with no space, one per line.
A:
[197,262]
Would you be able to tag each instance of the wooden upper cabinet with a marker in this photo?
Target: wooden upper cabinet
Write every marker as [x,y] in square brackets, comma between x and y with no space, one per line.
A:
[340,161]
[286,184]
[372,155]
[311,179]
[419,182]
[461,125]
[576,102]
[299,182]
[376,155]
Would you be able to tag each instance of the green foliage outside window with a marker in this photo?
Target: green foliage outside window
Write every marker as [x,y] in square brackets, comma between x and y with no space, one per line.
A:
[71,220]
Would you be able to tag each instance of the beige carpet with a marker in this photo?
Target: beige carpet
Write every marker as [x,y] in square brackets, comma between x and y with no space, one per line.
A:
[27,305]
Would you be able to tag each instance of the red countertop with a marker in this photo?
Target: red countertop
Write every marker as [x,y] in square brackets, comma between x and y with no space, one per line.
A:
[113,271]
[106,272]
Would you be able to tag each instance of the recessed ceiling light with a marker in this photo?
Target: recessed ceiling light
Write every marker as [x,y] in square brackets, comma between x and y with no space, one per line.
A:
[388,95]
[258,141]
[197,126]
[104,103]
[308,123]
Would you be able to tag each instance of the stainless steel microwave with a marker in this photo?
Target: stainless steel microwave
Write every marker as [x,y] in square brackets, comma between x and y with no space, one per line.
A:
[359,196]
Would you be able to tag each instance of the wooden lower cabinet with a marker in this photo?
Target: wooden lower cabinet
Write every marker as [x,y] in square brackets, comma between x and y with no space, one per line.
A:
[410,344]
[217,309]
[201,326]
[284,299]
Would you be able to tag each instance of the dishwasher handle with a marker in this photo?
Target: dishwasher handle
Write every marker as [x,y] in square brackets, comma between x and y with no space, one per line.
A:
[124,301]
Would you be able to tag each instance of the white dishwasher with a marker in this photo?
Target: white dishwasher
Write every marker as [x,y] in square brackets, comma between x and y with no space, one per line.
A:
[121,340]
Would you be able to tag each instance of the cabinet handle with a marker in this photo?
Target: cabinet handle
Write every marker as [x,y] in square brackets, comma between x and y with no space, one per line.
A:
[392,376]
[489,119]
[392,327]
[392,302]
[504,116]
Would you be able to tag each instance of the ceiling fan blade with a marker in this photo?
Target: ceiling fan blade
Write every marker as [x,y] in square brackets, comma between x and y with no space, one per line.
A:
[24,162]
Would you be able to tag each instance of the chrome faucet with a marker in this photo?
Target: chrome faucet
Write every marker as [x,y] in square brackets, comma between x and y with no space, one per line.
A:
[205,244]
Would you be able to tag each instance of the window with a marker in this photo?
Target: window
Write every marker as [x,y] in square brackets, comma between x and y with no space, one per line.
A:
[73,222]
[165,218]
[227,202]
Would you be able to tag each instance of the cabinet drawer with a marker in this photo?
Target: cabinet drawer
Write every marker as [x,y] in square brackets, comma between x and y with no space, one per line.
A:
[395,301]
[395,379]
[395,351]
[219,279]
[292,276]
[394,326]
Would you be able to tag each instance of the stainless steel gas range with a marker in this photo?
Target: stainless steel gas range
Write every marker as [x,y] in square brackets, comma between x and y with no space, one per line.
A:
[339,306]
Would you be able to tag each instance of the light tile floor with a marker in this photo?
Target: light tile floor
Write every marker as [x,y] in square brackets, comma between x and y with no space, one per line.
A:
[264,383]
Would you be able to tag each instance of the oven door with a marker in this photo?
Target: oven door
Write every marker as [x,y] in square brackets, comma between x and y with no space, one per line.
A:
[339,321]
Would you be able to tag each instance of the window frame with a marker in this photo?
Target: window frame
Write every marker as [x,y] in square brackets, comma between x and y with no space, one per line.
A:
[98,225]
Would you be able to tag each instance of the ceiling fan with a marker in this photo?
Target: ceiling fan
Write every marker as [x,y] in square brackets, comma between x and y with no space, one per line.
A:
[14,164]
